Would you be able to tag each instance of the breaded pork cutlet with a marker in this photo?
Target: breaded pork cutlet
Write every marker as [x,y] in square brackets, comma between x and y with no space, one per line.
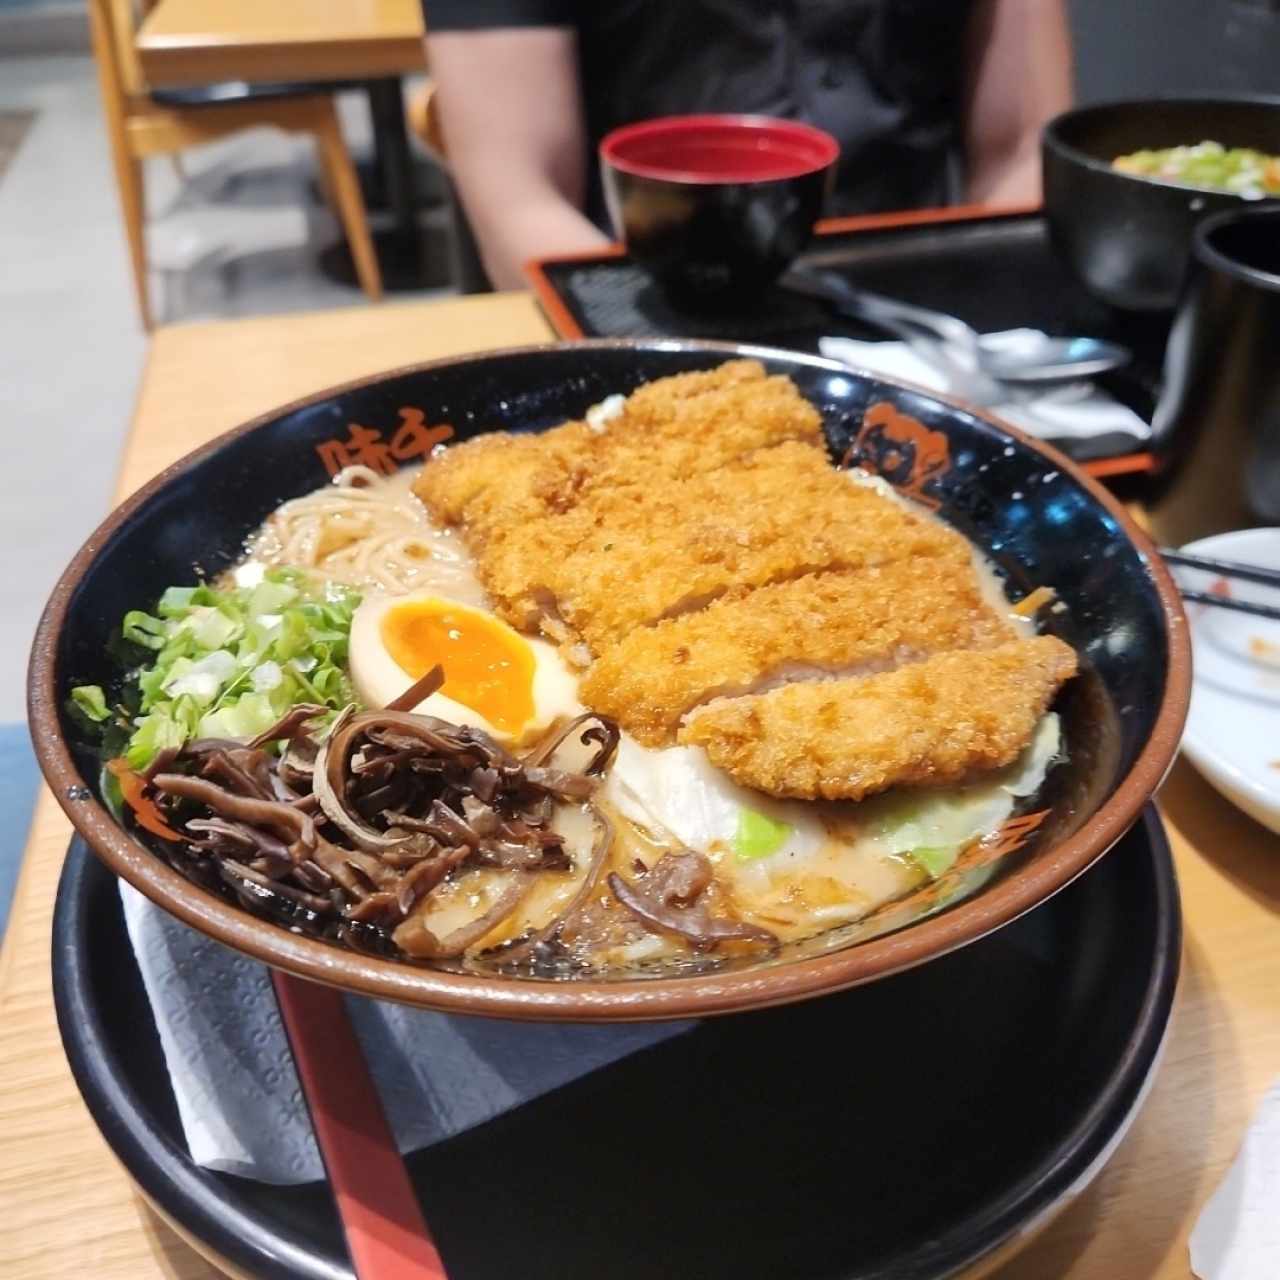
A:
[739,593]
[695,422]
[502,479]
[632,557]
[933,723]
[823,624]
[674,427]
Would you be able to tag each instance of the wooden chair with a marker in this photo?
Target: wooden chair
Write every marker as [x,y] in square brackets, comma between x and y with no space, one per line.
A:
[423,110]
[138,126]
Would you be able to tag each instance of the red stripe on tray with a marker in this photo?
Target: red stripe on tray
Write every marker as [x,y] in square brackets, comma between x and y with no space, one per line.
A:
[386,1233]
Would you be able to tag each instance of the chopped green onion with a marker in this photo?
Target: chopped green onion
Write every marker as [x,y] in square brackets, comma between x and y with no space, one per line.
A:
[211,628]
[270,597]
[92,701]
[247,717]
[229,663]
[1209,165]
[758,835]
[154,734]
[937,860]
[175,602]
[143,629]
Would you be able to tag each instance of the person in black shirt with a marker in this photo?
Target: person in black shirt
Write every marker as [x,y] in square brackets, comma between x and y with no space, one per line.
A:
[932,101]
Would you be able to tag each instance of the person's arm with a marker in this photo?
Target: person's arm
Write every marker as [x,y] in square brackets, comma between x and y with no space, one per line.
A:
[511,116]
[1018,76]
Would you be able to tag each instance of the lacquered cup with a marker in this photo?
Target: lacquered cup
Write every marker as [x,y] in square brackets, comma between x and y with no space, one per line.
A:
[1219,414]
[715,207]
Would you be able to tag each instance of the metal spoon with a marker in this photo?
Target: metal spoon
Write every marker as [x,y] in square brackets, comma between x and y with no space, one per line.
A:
[1053,360]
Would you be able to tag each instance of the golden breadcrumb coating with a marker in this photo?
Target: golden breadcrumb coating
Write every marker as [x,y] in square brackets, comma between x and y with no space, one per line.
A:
[635,556]
[452,479]
[932,723]
[700,546]
[696,422]
[878,619]
[499,479]
[673,427]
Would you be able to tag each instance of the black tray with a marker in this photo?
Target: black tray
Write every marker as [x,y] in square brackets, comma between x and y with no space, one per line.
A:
[995,272]
[903,1130]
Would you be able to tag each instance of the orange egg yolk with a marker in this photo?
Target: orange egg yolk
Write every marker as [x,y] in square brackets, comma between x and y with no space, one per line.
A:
[486,667]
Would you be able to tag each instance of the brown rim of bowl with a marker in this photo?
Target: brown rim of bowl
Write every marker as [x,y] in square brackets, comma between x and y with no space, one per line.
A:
[619,1000]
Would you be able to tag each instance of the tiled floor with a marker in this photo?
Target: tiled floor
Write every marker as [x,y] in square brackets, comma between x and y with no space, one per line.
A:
[236,233]
[13,128]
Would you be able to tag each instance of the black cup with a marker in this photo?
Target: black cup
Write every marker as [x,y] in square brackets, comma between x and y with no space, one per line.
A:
[1219,414]
[714,207]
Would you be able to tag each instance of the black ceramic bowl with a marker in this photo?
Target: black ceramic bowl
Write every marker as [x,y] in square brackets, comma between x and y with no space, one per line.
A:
[1127,237]
[715,206]
[1041,520]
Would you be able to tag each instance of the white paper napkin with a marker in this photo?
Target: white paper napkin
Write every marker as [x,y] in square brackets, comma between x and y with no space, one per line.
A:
[237,1090]
[1237,1236]
[1068,411]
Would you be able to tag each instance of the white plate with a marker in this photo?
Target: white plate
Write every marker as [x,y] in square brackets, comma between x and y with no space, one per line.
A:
[1233,729]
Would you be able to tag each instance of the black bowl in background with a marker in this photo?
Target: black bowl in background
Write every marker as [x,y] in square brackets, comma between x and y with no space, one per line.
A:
[1127,237]
[716,206]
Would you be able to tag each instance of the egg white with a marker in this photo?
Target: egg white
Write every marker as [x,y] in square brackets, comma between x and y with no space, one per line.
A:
[379,679]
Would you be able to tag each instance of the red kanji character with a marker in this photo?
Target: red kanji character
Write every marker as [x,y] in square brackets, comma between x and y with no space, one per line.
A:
[363,448]
[414,439]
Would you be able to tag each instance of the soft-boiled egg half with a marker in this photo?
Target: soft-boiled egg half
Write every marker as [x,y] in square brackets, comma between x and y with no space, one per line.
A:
[507,684]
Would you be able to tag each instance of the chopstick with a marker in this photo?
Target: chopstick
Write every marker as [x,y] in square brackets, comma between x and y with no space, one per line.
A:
[1226,569]
[1226,602]
[386,1234]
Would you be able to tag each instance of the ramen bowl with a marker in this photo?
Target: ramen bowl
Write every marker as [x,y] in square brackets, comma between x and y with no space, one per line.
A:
[1038,519]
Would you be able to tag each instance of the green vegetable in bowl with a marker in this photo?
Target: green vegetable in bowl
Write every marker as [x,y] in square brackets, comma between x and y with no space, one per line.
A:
[1210,166]
[758,835]
[936,860]
[932,827]
[92,702]
[228,663]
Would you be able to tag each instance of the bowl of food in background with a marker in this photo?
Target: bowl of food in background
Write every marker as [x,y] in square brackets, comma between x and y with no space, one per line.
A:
[715,207]
[611,680]
[1125,184]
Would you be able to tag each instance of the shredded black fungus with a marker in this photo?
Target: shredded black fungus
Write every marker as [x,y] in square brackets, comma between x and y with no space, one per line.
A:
[669,899]
[349,832]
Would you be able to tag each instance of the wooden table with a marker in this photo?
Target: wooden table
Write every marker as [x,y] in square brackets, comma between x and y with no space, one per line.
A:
[194,42]
[68,1209]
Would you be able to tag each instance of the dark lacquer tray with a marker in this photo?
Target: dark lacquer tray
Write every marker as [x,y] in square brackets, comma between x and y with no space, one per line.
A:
[994,271]
[907,1129]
